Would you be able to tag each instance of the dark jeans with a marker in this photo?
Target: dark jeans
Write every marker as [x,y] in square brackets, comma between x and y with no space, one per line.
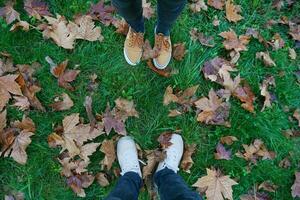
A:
[167,11]
[170,187]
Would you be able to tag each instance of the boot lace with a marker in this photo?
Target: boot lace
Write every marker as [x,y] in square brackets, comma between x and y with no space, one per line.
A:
[162,42]
[136,39]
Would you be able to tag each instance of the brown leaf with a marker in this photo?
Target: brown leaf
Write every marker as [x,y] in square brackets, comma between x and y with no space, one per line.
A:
[65,104]
[265,57]
[21,24]
[268,186]
[232,41]
[198,6]
[162,72]
[164,139]
[64,77]
[8,12]
[153,158]
[245,95]
[80,181]
[277,42]
[254,195]
[88,108]
[169,97]
[232,11]
[296,115]
[87,150]
[213,110]
[36,8]
[269,81]
[222,153]
[148,11]
[3,120]
[296,186]
[6,65]
[292,54]
[102,179]
[148,51]
[55,140]
[295,32]
[111,122]
[228,140]
[285,163]
[204,40]
[218,186]
[187,161]
[21,102]
[179,51]
[218,4]
[125,109]
[8,86]
[174,113]
[108,148]
[84,28]
[121,26]
[102,12]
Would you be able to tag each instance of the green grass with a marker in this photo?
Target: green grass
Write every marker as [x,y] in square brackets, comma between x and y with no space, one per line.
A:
[40,178]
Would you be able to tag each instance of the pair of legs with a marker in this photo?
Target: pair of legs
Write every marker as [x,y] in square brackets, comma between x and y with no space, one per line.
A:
[132,11]
[170,185]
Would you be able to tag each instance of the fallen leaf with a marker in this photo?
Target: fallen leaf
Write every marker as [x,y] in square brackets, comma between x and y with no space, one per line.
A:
[268,186]
[179,51]
[265,57]
[198,6]
[296,186]
[125,109]
[102,179]
[111,122]
[219,187]
[164,139]
[285,163]
[148,51]
[232,41]
[121,26]
[255,195]
[245,95]
[216,21]
[267,82]
[55,140]
[232,11]
[102,12]
[6,65]
[21,102]
[162,72]
[21,24]
[277,4]
[8,86]
[187,161]
[213,110]
[9,13]
[292,54]
[64,77]
[148,11]
[80,181]
[65,104]
[87,150]
[169,97]
[222,153]
[174,113]
[36,8]
[3,120]
[108,148]
[153,158]
[204,40]
[296,115]
[88,108]
[218,4]
[277,42]
[228,140]
[84,28]
[295,32]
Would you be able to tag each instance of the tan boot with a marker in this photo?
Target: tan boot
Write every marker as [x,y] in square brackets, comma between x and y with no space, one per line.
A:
[164,47]
[133,47]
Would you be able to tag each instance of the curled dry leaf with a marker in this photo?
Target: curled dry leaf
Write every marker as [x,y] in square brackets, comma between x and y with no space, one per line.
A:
[213,110]
[36,8]
[79,182]
[88,108]
[102,179]
[153,158]
[148,51]
[93,83]
[125,109]
[102,12]
[179,51]
[232,11]
[229,140]
[187,161]
[20,25]
[295,31]
[174,113]
[108,148]
[169,97]
[204,40]
[9,13]
[198,6]
[232,41]
[268,186]
[285,163]
[296,115]
[277,42]
[217,4]
[121,26]
[222,153]
[296,186]
[269,81]
[64,77]
[148,11]
[65,104]
[164,139]
[167,72]
[111,122]
[21,102]
[265,57]
[217,186]
[6,64]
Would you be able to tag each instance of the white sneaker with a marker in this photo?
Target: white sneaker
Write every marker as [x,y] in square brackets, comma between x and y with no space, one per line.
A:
[127,156]
[173,154]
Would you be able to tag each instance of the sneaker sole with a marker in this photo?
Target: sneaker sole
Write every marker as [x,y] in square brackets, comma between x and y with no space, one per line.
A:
[128,60]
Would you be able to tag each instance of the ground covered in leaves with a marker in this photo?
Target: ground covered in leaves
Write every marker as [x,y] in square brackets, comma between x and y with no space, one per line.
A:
[67,95]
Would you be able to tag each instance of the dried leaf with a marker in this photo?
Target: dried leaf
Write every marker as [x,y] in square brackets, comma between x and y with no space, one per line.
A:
[108,148]
[269,81]
[187,161]
[162,72]
[36,8]
[179,51]
[21,24]
[153,158]
[174,113]
[169,97]
[232,41]
[164,139]
[265,57]
[6,65]
[232,11]
[296,186]
[88,108]
[78,182]
[111,122]
[121,26]
[198,6]
[285,163]
[102,12]
[218,4]
[148,51]
[228,140]
[8,12]
[292,54]
[222,153]
[204,40]
[102,179]
[218,186]
[296,115]
[268,186]
[55,140]
[277,42]
[65,104]
[148,11]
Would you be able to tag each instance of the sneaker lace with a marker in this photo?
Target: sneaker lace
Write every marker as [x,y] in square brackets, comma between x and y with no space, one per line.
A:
[136,39]
[162,42]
